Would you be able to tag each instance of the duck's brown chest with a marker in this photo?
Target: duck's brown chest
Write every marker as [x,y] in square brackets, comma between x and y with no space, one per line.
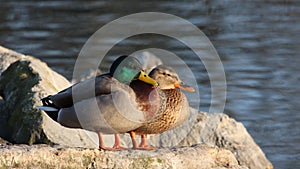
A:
[167,115]
[148,99]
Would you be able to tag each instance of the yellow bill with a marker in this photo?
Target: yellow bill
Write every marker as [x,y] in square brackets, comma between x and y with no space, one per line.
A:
[147,79]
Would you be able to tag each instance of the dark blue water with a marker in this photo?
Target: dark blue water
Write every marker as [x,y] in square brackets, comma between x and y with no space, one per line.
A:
[258,43]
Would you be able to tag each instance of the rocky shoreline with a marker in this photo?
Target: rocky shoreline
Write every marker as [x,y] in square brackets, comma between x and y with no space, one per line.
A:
[203,141]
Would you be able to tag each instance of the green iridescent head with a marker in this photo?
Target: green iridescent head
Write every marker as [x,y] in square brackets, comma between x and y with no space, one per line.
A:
[126,69]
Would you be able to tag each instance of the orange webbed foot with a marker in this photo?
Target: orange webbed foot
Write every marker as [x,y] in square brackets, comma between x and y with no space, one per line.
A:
[145,147]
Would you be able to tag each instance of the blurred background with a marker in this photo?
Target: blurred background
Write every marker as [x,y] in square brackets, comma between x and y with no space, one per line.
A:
[258,43]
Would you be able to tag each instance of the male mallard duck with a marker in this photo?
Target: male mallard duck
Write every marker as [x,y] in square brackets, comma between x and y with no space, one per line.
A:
[166,107]
[116,109]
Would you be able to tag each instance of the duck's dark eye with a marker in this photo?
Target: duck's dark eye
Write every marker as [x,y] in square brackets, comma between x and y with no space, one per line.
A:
[164,73]
[168,74]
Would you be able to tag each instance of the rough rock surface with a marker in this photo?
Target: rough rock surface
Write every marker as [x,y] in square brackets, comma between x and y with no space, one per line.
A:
[27,80]
[220,130]
[215,129]
[40,156]
[22,84]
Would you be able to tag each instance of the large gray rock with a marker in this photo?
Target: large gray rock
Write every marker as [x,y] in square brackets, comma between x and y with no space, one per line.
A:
[27,80]
[22,84]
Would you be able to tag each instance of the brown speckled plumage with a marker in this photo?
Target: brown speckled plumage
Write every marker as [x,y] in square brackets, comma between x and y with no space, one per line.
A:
[168,114]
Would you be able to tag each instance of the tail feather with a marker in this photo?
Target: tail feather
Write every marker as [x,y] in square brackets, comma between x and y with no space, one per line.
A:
[49,108]
[48,102]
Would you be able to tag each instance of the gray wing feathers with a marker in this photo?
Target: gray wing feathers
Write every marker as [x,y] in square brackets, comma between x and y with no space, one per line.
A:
[111,113]
[86,89]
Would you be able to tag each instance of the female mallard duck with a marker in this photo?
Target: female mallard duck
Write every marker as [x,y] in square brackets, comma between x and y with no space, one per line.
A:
[116,109]
[166,107]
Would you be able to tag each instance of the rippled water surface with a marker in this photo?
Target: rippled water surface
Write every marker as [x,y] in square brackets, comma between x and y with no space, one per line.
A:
[258,43]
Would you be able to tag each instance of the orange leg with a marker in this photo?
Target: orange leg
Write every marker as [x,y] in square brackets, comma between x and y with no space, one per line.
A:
[143,140]
[134,143]
[144,145]
[101,143]
[117,144]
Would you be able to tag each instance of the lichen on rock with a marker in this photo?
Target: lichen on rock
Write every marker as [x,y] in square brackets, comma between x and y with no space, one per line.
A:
[21,120]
